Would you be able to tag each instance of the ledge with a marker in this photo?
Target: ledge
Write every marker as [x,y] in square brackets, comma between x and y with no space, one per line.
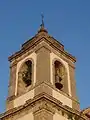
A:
[41,97]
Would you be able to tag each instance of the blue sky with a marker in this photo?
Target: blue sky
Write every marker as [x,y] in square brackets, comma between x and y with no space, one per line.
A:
[66,20]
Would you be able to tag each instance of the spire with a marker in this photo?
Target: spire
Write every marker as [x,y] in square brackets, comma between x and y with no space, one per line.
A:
[42,29]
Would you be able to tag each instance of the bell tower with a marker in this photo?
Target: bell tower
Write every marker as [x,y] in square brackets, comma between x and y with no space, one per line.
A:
[42,81]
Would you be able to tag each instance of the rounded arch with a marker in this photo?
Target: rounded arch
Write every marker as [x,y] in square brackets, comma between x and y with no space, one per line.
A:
[25,75]
[31,59]
[61,61]
[63,79]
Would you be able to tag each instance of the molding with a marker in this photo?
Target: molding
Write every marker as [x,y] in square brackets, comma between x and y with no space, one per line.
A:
[44,101]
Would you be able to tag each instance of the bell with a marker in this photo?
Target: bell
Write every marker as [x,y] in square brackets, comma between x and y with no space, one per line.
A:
[27,78]
[28,82]
[58,85]
[58,82]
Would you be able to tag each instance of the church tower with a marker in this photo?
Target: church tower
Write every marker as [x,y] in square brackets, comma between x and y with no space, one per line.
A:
[42,81]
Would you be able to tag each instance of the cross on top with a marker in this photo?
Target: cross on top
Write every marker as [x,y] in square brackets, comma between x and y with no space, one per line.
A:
[42,16]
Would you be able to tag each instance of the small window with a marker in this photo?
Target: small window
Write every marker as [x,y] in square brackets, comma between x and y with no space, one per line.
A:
[58,74]
[27,73]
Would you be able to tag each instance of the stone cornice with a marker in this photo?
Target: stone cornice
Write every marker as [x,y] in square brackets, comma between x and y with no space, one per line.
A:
[41,97]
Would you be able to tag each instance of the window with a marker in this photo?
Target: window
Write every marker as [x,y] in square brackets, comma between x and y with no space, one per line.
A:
[27,73]
[59,70]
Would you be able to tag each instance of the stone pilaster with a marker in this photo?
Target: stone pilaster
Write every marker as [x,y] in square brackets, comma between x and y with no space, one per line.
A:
[12,82]
[11,87]
[73,88]
[43,65]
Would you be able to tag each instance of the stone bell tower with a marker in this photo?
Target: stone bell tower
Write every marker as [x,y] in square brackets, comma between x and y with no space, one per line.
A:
[42,82]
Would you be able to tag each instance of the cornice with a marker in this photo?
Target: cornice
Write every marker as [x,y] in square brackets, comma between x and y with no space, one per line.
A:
[41,98]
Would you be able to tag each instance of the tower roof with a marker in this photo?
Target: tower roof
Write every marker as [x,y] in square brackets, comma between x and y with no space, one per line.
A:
[41,35]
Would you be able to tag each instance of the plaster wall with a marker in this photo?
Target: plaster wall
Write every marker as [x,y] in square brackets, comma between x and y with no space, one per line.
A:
[65,100]
[23,98]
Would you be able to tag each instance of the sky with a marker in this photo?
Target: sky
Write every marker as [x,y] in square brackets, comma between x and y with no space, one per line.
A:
[66,20]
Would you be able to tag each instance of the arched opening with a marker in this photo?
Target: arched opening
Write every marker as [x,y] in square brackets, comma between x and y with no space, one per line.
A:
[59,74]
[27,73]
[25,76]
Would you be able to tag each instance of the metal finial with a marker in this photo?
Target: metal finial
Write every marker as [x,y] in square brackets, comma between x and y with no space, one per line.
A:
[42,29]
[42,16]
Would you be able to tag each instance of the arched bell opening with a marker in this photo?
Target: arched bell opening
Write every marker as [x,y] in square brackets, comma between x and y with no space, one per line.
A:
[26,73]
[24,77]
[59,74]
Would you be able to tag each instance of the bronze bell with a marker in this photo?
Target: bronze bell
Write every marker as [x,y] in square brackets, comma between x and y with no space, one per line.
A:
[58,80]
[27,78]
